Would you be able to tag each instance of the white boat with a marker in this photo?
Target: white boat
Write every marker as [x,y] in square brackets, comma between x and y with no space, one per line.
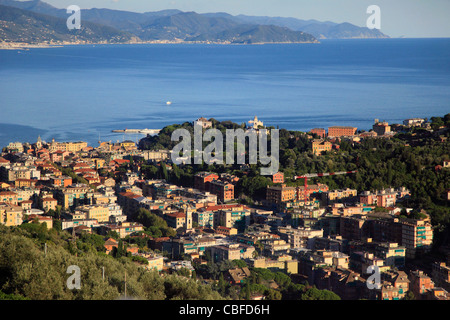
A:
[169,103]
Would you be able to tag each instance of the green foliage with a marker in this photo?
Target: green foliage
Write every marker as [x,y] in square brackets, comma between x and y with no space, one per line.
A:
[155,225]
[26,272]
[11,296]
[240,263]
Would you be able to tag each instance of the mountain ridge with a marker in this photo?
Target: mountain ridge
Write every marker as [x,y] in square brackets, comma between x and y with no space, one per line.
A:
[173,25]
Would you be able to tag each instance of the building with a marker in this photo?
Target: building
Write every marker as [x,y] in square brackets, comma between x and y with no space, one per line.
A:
[320,146]
[280,193]
[395,285]
[278,177]
[417,236]
[420,283]
[175,219]
[25,183]
[256,123]
[273,247]
[49,203]
[41,219]
[97,212]
[203,122]
[110,244]
[155,262]
[202,178]
[382,198]
[61,181]
[322,133]
[441,275]
[226,231]
[9,197]
[299,237]
[73,195]
[123,229]
[234,217]
[353,227]
[392,254]
[331,196]
[223,190]
[341,131]
[414,122]
[10,215]
[381,128]
[71,147]
[237,275]
[128,145]
[204,218]
[235,251]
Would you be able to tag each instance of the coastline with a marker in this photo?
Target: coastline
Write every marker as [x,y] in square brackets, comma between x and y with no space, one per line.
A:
[26,46]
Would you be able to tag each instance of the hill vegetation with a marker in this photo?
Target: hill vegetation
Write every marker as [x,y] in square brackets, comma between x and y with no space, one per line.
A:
[24,26]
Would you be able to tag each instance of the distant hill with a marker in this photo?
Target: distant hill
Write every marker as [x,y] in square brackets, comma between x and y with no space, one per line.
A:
[183,26]
[176,25]
[18,25]
[320,30]
[248,34]
[342,31]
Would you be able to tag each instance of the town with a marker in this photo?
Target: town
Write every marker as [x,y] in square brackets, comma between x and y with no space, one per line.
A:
[247,235]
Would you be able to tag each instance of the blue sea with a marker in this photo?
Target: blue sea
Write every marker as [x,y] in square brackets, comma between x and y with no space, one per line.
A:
[83,92]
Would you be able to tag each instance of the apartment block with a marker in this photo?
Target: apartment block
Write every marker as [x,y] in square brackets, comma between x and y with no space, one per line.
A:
[235,251]
[72,147]
[202,178]
[10,215]
[341,131]
[417,235]
[223,190]
[97,212]
[441,275]
[280,193]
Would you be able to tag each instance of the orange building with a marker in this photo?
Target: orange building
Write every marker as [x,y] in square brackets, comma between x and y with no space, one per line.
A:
[341,131]
[201,179]
[278,177]
[280,193]
[420,284]
[322,133]
[223,190]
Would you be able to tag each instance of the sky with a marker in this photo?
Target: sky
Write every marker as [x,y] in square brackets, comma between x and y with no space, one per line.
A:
[399,18]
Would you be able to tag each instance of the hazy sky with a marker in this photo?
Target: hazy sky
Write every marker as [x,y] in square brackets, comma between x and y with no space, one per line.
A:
[408,18]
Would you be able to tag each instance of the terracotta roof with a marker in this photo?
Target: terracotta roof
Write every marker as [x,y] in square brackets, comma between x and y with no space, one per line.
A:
[177,215]
[49,199]
[8,193]
[223,206]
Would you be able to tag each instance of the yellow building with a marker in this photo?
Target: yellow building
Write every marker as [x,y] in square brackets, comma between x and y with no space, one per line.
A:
[128,145]
[68,197]
[10,215]
[280,193]
[319,146]
[97,212]
[155,262]
[67,146]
